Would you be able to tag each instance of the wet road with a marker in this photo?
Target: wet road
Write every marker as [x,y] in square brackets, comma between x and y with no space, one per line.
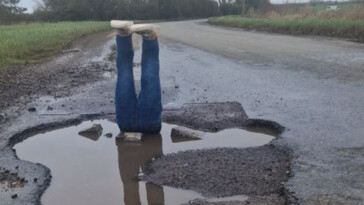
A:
[327,57]
[312,86]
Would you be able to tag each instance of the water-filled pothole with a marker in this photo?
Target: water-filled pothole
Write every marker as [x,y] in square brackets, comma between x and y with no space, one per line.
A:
[102,170]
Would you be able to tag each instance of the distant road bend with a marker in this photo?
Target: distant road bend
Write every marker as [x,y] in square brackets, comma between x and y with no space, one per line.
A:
[328,57]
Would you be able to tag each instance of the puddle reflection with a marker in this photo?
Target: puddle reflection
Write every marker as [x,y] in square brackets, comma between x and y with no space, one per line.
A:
[84,169]
[133,157]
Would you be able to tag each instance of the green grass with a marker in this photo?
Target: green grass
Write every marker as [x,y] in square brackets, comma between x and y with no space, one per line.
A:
[343,6]
[300,26]
[112,55]
[31,43]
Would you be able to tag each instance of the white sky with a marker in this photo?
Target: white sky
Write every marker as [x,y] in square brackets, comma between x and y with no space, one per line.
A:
[29,4]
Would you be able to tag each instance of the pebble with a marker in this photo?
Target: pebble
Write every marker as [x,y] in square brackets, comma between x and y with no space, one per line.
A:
[184,132]
[133,136]
[108,135]
[94,129]
[32,109]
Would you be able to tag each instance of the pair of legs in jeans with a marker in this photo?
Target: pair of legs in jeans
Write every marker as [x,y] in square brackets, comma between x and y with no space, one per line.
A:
[140,113]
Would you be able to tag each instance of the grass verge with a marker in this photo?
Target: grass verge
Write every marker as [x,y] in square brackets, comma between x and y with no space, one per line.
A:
[31,43]
[112,56]
[340,28]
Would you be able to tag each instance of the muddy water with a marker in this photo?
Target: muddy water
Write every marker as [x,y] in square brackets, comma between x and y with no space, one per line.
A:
[101,170]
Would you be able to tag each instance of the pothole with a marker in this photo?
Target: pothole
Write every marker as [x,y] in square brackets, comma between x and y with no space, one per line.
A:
[103,170]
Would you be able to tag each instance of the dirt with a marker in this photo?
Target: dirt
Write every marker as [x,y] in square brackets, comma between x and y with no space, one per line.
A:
[10,180]
[31,80]
[22,84]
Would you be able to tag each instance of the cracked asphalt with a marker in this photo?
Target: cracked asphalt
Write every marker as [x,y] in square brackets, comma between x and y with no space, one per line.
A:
[311,86]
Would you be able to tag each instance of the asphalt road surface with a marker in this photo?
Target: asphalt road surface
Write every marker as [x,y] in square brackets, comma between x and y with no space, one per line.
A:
[312,86]
[328,57]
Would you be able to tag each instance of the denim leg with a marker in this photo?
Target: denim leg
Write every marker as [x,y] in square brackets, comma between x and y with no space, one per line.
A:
[125,96]
[149,106]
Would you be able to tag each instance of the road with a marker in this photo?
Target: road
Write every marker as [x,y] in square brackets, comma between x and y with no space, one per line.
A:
[312,86]
[327,57]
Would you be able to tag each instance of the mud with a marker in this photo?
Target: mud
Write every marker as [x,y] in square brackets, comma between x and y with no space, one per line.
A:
[57,76]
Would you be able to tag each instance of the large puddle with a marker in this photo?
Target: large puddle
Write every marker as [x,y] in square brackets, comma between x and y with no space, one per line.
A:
[102,170]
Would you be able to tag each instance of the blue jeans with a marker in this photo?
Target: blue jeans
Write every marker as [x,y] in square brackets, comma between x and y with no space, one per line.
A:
[142,113]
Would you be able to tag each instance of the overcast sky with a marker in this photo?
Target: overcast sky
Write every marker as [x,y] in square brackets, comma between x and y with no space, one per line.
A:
[29,4]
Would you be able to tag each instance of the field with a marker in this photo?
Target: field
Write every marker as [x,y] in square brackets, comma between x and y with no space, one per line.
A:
[33,42]
[305,26]
[347,6]
[347,22]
